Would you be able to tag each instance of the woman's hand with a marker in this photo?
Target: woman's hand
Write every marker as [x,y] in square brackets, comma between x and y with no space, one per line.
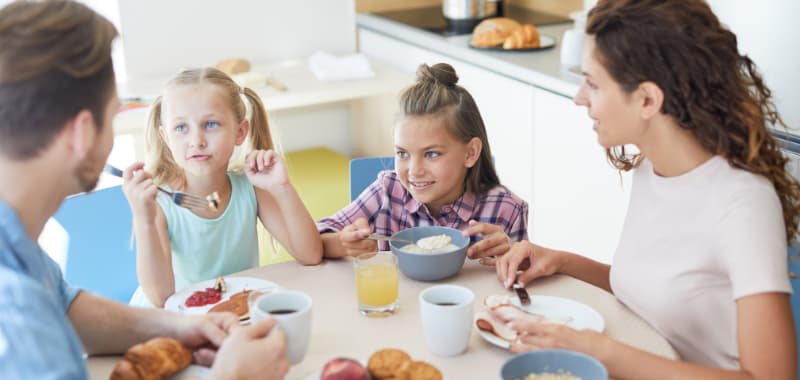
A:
[266,170]
[353,239]
[140,191]
[495,242]
[535,261]
[538,335]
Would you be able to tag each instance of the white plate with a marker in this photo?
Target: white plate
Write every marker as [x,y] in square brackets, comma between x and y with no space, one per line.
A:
[583,316]
[193,371]
[176,302]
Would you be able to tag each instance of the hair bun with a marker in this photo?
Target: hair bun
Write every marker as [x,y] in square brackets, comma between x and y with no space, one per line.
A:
[440,72]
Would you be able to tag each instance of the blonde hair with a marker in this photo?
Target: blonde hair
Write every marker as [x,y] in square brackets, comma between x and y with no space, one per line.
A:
[159,160]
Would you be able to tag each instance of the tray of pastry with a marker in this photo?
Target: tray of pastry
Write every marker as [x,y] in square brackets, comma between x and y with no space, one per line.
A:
[505,34]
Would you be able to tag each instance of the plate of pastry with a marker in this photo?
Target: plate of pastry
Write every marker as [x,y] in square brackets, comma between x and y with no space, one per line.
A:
[492,327]
[545,42]
[223,294]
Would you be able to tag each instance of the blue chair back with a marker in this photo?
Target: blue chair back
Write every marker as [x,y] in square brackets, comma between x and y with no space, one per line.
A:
[794,275]
[364,171]
[99,256]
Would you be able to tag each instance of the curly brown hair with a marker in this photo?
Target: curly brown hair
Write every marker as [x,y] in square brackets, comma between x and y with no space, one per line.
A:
[710,89]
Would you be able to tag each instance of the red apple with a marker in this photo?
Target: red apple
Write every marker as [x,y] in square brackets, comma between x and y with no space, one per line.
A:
[344,369]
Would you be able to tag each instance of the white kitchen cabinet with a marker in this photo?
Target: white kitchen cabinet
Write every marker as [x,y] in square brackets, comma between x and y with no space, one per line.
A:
[505,105]
[579,199]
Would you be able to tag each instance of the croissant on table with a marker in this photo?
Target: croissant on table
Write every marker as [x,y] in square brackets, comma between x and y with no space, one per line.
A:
[156,359]
[526,36]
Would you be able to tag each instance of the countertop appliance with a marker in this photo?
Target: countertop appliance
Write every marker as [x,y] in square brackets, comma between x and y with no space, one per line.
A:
[432,19]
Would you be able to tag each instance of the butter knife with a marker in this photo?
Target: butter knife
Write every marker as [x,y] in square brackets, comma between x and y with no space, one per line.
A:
[522,293]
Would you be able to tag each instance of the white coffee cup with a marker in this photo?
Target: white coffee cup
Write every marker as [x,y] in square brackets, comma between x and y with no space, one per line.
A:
[292,311]
[446,312]
[571,47]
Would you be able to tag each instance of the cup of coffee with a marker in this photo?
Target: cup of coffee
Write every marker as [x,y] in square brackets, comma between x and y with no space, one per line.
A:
[291,310]
[446,312]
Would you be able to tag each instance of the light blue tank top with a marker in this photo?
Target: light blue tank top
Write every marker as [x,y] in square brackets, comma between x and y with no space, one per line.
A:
[203,249]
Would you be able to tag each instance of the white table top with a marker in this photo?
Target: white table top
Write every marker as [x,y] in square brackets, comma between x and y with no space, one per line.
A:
[339,330]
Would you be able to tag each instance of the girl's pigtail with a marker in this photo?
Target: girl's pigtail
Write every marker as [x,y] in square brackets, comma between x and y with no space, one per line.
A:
[159,159]
[260,136]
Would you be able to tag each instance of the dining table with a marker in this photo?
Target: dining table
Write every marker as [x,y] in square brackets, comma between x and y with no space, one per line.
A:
[339,330]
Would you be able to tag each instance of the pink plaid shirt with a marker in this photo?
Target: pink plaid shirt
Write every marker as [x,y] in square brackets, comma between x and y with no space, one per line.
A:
[389,208]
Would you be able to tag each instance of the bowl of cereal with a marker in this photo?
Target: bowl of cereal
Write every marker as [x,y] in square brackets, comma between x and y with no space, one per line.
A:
[435,254]
[553,364]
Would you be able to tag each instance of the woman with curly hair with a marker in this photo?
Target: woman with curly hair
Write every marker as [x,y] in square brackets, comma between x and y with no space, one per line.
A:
[702,255]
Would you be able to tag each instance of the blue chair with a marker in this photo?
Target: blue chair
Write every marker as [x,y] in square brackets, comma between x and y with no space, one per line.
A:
[794,275]
[100,258]
[364,171]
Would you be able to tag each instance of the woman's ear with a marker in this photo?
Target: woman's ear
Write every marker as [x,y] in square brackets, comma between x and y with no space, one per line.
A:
[474,147]
[243,130]
[651,99]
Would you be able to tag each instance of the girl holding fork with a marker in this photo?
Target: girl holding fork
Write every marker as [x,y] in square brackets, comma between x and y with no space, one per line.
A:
[193,131]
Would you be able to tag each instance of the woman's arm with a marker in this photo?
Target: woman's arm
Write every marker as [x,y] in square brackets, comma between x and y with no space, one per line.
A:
[536,261]
[765,336]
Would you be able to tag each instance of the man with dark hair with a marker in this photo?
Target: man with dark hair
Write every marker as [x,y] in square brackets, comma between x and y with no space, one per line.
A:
[57,99]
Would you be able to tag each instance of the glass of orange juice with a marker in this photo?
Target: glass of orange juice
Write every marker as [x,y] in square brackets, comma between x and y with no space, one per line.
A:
[377,278]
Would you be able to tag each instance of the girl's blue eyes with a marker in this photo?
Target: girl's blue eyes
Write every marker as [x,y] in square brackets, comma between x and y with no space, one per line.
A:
[209,125]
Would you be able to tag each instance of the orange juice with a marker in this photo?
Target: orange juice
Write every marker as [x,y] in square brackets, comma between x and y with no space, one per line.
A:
[376,284]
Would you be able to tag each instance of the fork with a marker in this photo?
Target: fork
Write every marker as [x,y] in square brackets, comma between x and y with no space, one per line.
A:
[191,202]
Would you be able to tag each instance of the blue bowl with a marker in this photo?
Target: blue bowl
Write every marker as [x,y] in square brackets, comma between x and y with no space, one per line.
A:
[551,361]
[430,266]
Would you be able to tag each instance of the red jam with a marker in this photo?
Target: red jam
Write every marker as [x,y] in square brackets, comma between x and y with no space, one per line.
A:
[204,297]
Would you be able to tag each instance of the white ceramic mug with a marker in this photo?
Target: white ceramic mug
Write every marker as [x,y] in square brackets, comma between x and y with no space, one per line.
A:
[292,312]
[571,47]
[447,312]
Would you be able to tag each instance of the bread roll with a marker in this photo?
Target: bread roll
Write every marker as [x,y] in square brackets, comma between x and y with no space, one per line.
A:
[493,32]
[232,66]
[156,359]
[524,37]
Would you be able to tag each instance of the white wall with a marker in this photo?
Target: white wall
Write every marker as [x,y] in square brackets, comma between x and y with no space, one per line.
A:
[768,32]
[160,37]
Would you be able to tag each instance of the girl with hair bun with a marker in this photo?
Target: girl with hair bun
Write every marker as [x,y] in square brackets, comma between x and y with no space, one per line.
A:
[193,131]
[444,176]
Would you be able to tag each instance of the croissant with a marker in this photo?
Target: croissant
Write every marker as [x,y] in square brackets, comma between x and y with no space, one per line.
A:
[156,359]
[493,31]
[526,36]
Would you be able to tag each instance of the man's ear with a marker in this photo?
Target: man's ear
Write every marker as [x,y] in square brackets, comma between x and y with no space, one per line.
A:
[241,133]
[650,98]
[474,148]
[81,133]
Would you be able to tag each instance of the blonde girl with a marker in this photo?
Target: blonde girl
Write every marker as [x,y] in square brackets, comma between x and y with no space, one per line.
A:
[702,255]
[193,130]
[444,176]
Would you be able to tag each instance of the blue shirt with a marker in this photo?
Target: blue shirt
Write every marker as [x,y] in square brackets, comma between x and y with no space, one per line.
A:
[37,340]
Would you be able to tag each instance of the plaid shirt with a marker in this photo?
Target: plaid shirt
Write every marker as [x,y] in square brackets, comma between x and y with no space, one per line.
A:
[389,208]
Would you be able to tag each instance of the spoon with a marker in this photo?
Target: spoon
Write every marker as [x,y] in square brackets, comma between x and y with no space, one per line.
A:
[389,238]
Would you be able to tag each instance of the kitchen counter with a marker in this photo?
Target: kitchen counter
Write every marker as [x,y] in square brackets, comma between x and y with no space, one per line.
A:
[541,68]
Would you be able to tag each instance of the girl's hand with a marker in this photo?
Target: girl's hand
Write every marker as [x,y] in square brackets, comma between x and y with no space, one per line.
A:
[353,237]
[495,242]
[265,170]
[538,335]
[140,191]
[535,261]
